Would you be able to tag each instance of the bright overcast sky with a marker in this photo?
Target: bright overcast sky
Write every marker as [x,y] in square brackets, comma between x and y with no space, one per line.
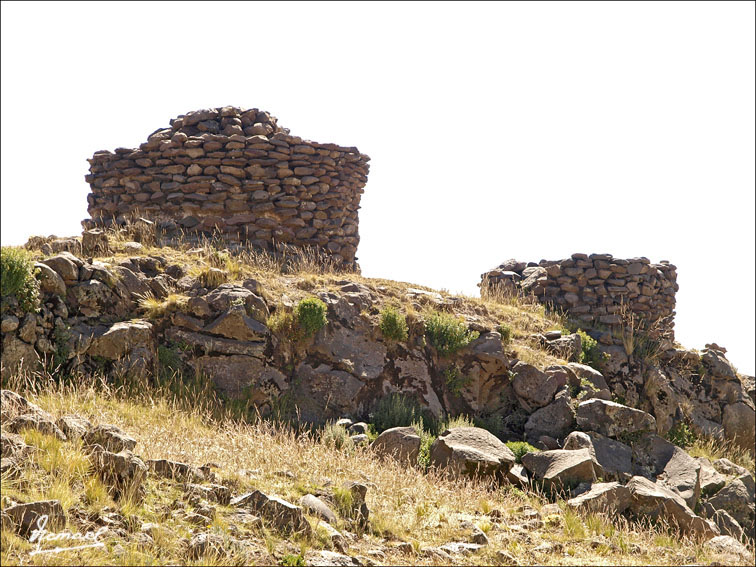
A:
[528,130]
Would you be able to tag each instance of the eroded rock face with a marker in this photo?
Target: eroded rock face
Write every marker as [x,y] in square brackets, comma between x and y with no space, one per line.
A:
[738,421]
[471,450]
[612,459]
[613,419]
[555,420]
[654,501]
[737,499]
[110,438]
[657,458]
[534,389]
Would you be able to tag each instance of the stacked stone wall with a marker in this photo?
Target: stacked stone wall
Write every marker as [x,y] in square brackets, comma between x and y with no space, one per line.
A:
[598,291]
[234,173]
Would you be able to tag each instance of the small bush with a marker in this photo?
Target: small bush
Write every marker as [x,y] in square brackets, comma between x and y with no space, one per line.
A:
[455,381]
[681,435]
[17,278]
[336,436]
[506,333]
[393,324]
[590,353]
[448,333]
[290,560]
[395,410]
[519,448]
[492,423]
[311,315]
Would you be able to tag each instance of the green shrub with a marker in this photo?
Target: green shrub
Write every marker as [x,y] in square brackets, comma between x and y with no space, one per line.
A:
[426,440]
[506,333]
[290,560]
[455,381]
[393,324]
[311,315]
[336,436]
[448,333]
[519,448]
[492,423]
[590,353]
[395,410]
[681,435]
[18,278]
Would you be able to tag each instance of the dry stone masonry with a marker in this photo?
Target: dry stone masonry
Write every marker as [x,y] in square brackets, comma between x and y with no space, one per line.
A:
[595,290]
[236,173]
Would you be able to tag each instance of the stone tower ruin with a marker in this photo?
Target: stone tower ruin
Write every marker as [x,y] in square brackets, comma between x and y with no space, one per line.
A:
[235,174]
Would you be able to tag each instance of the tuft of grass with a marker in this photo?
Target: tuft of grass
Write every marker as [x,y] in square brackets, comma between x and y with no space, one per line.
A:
[393,324]
[18,278]
[155,308]
[336,436]
[590,353]
[290,560]
[210,277]
[448,333]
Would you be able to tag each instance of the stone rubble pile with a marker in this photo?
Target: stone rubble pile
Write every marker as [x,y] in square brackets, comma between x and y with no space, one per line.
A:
[235,173]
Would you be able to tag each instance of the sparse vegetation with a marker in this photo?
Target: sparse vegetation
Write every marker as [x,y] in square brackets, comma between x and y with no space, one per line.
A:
[393,324]
[18,278]
[210,277]
[448,333]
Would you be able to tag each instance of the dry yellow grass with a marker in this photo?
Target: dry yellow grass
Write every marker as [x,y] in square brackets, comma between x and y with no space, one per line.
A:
[424,509]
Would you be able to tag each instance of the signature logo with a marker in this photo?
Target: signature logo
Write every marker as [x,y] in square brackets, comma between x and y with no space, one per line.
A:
[40,535]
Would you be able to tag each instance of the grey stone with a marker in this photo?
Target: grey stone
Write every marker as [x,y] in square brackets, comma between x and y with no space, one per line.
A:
[402,443]
[533,388]
[555,420]
[737,499]
[657,458]
[561,469]
[471,450]
[49,280]
[317,507]
[23,518]
[110,438]
[655,501]
[613,419]
[612,459]
[608,497]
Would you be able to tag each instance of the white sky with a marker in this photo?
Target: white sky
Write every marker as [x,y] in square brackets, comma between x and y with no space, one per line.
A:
[528,130]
